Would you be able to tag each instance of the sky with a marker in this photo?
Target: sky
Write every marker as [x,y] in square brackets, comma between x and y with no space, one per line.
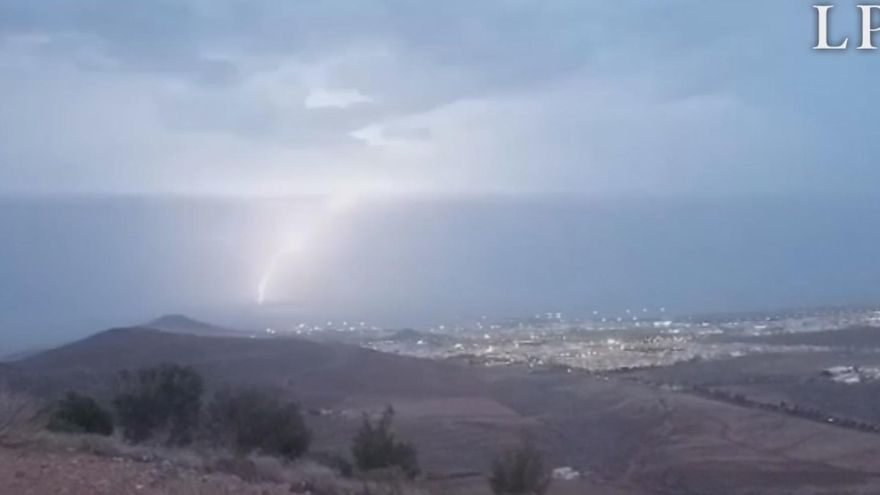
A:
[410,162]
[267,97]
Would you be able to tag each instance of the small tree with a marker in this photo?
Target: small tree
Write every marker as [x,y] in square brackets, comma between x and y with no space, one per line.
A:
[519,471]
[257,420]
[375,447]
[77,413]
[164,397]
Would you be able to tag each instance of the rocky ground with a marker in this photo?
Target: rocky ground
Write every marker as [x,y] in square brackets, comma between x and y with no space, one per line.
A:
[27,471]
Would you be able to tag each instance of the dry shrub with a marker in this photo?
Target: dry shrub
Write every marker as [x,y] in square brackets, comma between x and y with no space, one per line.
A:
[89,444]
[255,420]
[166,398]
[260,469]
[309,477]
[196,486]
[241,467]
[270,469]
[77,413]
[114,446]
[18,414]
[389,488]
[375,448]
[321,480]
[520,470]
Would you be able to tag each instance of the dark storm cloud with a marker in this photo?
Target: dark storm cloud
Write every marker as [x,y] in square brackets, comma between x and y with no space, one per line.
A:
[602,97]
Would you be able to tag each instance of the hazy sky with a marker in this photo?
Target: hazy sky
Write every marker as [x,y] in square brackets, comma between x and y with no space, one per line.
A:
[707,157]
[605,97]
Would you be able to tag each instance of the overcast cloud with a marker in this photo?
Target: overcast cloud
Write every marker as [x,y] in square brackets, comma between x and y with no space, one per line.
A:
[227,96]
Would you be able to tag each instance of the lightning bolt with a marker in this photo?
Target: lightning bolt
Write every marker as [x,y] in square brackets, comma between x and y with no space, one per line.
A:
[333,208]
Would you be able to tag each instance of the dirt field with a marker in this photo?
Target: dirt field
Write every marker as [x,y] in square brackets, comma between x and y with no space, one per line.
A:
[794,378]
[630,438]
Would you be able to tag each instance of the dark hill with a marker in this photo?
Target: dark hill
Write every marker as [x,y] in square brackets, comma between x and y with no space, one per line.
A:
[185,324]
[314,372]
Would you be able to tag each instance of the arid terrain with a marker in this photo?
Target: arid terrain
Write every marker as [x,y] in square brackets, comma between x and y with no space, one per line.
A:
[36,472]
[630,433]
[833,377]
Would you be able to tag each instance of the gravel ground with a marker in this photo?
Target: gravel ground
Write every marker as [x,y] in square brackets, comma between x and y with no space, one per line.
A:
[31,472]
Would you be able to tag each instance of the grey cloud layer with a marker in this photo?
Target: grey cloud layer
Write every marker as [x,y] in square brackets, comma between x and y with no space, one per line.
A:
[605,97]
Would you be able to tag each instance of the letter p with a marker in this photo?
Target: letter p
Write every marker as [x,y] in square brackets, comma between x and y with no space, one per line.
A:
[868,27]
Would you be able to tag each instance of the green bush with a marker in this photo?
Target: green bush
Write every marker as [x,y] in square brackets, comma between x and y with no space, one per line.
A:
[519,471]
[375,447]
[166,397]
[77,413]
[252,420]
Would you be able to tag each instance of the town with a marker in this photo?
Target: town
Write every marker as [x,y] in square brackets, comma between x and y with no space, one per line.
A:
[599,344]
